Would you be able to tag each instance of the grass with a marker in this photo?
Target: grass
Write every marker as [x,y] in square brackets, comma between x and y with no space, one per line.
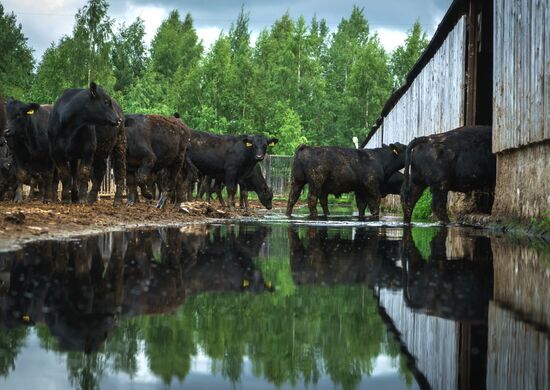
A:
[423,209]
[422,238]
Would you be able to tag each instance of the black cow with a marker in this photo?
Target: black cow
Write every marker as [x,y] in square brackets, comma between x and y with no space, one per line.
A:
[27,136]
[3,119]
[85,123]
[458,160]
[255,182]
[155,142]
[392,185]
[8,181]
[229,156]
[337,170]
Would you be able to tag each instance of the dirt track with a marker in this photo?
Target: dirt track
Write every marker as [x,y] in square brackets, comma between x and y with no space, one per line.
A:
[20,223]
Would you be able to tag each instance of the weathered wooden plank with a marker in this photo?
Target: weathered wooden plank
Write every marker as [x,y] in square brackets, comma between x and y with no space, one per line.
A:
[545,15]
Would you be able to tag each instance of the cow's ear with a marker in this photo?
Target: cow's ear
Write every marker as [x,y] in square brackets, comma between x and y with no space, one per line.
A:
[32,108]
[247,142]
[272,141]
[177,115]
[394,149]
[93,89]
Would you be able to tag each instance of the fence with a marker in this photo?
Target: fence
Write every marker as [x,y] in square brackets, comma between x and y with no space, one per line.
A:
[276,170]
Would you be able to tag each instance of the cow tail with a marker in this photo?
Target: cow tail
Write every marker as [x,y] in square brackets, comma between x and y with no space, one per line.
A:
[408,157]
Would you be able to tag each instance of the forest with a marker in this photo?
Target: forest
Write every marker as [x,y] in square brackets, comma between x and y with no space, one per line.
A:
[299,81]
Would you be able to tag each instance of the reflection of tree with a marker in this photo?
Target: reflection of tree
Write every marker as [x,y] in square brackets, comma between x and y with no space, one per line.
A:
[85,370]
[11,342]
[122,347]
[168,345]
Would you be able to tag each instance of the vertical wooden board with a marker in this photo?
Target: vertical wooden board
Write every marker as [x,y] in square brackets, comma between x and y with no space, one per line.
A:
[497,69]
[537,79]
[546,68]
[526,72]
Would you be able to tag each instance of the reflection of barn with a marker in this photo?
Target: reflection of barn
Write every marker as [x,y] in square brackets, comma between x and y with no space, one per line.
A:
[488,63]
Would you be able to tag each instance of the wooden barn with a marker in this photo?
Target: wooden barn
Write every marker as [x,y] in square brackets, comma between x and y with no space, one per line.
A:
[488,63]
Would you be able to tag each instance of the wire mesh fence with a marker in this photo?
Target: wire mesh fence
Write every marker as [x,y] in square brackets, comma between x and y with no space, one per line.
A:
[276,170]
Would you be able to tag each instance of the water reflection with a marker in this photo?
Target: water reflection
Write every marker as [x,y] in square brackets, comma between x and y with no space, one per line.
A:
[287,305]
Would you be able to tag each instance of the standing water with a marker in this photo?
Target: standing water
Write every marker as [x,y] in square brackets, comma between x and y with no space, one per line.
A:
[274,304]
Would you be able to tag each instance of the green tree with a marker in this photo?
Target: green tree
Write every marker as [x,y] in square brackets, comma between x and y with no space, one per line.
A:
[357,79]
[405,56]
[286,126]
[175,45]
[17,62]
[129,55]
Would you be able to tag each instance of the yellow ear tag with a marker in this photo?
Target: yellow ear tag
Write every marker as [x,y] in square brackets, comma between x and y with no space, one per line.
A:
[30,112]
[272,144]
[26,318]
[248,144]
[245,283]
[268,284]
[395,151]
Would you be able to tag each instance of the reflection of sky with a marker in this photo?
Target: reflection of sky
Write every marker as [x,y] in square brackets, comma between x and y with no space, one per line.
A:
[36,368]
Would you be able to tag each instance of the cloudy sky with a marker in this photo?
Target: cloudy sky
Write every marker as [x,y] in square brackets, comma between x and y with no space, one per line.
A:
[46,21]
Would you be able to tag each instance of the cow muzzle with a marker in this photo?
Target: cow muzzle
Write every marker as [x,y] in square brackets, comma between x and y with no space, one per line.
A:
[260,157]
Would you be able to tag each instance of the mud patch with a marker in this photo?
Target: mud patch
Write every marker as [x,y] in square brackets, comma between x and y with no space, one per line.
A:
[20,223]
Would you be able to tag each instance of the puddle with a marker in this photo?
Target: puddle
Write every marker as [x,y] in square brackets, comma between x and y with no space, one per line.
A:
[276,302]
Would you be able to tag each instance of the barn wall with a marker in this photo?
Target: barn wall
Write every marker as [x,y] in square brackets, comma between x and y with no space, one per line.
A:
[433,341]
[434,103]
[521,67]
[521,107]
[516,317]
[523,185]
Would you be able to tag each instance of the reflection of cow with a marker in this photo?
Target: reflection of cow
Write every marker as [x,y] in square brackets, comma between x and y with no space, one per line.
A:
[85,292]
[152,277]
[458,289]
[225,262]
[321,257]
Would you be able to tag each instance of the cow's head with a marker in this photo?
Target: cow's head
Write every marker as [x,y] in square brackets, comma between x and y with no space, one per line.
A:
[20,116]
[258,144]
[99,107]
[265,195]
[397,159]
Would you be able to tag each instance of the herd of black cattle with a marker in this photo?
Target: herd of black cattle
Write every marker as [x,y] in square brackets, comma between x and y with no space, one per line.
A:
[70,142]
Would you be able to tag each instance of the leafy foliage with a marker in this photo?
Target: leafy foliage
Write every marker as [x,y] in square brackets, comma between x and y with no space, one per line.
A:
[423,209]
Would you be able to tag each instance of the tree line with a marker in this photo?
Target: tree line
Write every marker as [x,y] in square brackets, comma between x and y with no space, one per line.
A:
[299,82]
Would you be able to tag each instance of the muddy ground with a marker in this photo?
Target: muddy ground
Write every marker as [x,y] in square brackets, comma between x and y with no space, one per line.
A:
[20,223]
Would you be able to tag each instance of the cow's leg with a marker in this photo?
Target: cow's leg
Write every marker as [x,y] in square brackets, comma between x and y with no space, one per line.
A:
[439,205]
[409,196]
[47,186]
[219,187]
[21,176]
[361,200]
[295,191]
[231,185]
[98,173]
[243,199]
[83,177]
[323,199]
[132,196]
[64,173]
[169,191]
[374,206]
[118,157]
[312,201]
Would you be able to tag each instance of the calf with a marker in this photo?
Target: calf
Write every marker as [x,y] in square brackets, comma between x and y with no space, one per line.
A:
[27,136]
[83,123]
[155,142]
[458,160]
[255,182]
[336,170]
[392,185]
[229,156]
